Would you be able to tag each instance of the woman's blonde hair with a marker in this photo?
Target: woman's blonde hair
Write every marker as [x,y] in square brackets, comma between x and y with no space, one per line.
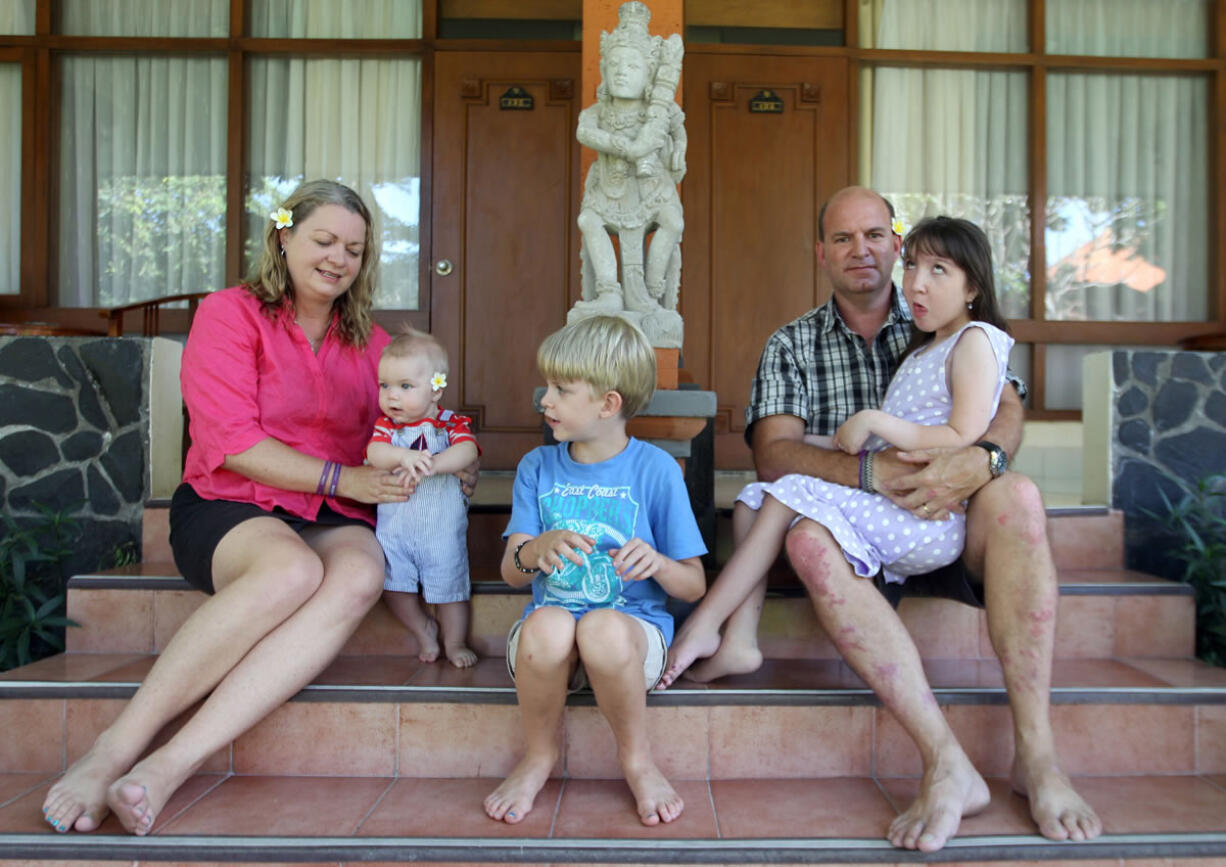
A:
[609,354]
[270,282]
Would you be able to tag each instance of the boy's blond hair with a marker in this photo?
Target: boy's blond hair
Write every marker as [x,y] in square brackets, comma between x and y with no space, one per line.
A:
[411,342]
[608,353]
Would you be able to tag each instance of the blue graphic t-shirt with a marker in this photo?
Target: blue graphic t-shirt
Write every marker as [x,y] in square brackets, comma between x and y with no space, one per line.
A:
[639,492]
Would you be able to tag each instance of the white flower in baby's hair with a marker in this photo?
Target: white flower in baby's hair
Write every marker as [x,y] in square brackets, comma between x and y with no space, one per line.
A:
[898,227]
[283,217]
[438,382]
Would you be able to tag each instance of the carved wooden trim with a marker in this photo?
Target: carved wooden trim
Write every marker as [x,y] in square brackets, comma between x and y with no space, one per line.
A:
[561,89]
[721,91]
[810,92]
[470,88]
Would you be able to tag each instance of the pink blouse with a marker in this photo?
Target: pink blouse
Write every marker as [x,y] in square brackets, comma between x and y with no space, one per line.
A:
[246,377]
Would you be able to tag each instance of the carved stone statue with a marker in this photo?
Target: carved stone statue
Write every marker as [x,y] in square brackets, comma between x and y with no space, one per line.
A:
[637,130]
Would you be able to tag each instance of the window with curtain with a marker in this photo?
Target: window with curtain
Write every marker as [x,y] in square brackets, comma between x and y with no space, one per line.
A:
[357,121]
[17,17]
[144,17]
[10,179]
[142,178]
[1128,28]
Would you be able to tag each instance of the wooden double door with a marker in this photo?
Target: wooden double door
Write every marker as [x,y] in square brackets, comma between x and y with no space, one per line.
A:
[768,141]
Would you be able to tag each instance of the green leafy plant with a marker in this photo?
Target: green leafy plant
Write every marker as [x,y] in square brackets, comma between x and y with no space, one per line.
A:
[32,598]
[1199,520]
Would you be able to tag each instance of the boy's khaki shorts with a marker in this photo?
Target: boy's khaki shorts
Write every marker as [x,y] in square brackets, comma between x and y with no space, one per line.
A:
[653,662]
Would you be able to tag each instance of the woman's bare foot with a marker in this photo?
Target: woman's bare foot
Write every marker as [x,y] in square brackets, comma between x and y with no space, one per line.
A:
[731,658]
[655,798]
[513,799]
[137,798]
[461,655]
[426,633]
[950,789]
[1057,809]
[78,799]
[693,641]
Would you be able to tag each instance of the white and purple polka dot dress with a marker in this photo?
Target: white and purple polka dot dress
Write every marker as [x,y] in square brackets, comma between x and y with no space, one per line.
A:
[872,531]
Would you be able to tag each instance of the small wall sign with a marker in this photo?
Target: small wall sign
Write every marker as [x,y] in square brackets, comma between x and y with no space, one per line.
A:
[516,99]
[766,102]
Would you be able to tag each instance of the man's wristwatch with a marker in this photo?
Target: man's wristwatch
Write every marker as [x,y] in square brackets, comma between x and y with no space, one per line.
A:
[998,461]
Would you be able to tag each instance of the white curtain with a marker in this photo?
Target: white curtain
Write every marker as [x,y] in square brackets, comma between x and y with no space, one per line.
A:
[17,17]
[209,18]
[330,19]
[1128,28]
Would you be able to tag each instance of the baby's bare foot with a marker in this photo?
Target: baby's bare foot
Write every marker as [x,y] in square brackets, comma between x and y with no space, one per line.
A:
[731,658]
[693,641]
[1057,809]
[427,639]
[655,798]
[461,656]
[513,800]
[78,799]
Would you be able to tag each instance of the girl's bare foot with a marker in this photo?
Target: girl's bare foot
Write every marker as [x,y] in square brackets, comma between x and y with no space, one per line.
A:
[78,799]
[693,641]
[137,798]
[427,639]
[1057,809]
[731,658]
[950,789]
[460,655]
[655,798]
[513,800]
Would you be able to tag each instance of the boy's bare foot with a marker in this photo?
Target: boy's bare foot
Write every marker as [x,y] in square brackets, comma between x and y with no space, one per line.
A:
[460,656]
[655,798]
[951,788]
[1057,809]
[78,799]
[693,641]
[427,639]
[513,800]
[137,798]
[731,658]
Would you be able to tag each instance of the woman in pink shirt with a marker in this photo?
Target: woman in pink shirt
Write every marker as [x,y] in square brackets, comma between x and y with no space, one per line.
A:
[273,518]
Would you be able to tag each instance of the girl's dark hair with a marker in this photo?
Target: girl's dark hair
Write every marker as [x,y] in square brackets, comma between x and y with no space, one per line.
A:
[963,243]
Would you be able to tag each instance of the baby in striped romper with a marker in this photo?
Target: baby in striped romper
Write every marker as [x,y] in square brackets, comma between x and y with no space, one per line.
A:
[425,539]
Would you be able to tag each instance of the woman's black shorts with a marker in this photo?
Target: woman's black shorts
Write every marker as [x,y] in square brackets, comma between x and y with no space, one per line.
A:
[197,526]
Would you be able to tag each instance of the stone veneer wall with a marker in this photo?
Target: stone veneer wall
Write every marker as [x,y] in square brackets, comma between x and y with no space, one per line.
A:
[1167,412]
[78,418]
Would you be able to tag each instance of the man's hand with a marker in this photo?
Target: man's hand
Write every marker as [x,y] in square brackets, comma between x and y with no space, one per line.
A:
[932,483]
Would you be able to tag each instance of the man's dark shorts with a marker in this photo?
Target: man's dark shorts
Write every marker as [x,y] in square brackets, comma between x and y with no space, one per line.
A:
[197,526]
[954,581]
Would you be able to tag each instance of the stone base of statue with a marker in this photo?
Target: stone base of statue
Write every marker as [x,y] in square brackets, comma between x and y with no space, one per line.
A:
[664,328]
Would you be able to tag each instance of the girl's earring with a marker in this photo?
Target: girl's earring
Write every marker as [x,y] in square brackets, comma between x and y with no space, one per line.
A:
[283,256]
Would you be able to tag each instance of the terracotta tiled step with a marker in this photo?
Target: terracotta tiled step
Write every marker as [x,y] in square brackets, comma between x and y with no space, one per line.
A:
[388,716]
[231,818]
[1103,613]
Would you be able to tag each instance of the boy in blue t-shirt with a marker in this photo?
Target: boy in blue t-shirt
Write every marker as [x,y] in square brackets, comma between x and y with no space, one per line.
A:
[601,525]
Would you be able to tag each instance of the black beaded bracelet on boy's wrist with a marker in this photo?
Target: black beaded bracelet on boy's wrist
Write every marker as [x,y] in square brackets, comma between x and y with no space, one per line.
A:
[520,566]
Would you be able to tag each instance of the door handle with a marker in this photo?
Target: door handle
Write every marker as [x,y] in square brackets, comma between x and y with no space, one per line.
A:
[442,267]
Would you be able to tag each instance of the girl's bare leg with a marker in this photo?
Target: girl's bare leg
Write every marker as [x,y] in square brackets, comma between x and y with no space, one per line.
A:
[347,577]
[263,573]
[406,607]
[453,618]
[543,665]
[612,646]
[742,580]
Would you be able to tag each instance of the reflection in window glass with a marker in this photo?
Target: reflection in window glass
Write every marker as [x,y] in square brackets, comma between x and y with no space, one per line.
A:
[142,178]
[369,138]
[201,18]
[944,25]
[10,179]
[17,17]
[330,19]
[1128,28]
[1126,231]
[953,142]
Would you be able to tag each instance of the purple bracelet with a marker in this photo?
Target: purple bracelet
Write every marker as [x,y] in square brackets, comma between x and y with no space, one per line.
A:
[336,477]
[323,478]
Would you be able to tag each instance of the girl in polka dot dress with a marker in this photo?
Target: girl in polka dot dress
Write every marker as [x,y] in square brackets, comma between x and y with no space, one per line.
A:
[944,395]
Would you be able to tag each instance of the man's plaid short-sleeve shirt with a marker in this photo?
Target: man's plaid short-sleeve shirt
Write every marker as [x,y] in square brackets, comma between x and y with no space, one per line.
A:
[818,369]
